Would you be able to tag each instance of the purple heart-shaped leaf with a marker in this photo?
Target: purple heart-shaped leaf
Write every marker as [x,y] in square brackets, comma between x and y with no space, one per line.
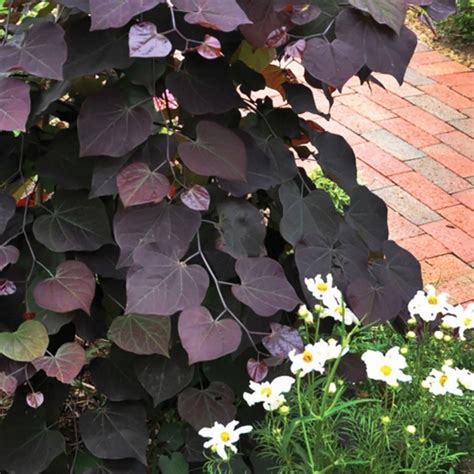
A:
[145,42]
[14,104]
[257,370]
[8,255]
[205,338]
[73,287]
[197,198]
[282,340]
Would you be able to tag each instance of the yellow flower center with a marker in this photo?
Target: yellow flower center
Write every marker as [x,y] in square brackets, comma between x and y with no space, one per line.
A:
[386,370]
[322,286]
[308,356]
[443,379]
[432,299]
[467,322]
[266,391]
[225,436]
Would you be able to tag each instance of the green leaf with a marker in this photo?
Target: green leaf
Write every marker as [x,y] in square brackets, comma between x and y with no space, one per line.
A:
[27,343]
[174,464]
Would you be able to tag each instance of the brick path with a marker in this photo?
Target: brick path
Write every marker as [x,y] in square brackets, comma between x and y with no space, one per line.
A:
[415,149]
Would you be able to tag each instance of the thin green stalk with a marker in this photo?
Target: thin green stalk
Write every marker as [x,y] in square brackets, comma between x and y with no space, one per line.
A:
[305,434]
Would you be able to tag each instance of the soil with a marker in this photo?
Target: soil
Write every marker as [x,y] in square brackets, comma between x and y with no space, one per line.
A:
[452,47]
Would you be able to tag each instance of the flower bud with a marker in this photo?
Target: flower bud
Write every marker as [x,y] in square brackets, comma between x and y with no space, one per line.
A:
[332,388]
[425,384]
[385,420]
[303,311]
[444,325]
[447,338]
[438,335]
[448,362]
[411,335]
[284,410]
[404,350]
[411,429]
[412,322]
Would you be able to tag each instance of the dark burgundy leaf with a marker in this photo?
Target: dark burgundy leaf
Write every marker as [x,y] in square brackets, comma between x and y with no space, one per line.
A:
[8,255]
[163,377]
[141,334]
[242,230]
[217,151]
[41,51]
[382,49]
[257,370]
[34,399]
[115,13]
[82,5]
[223,15]
[145,42]
[303,215]
[163,285]
[103,262]
[386,12]
[336,158]
[115,431]
[73,287]
[333,63]
[197,198]
[201,408]
[75,223]
[14,104]
[7,210]
[206,338]
[65,365]
[7,287]
[104,176]
[264,286]
[8,384]
[111,124]
[91,52]
[145,72]
[283,340]
[300,97]
[352,368]
[137,184]
[367,214]
[203,86]
[441,9]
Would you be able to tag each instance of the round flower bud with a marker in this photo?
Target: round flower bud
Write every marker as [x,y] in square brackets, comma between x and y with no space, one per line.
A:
[438,335]
[318,308]
[284,410]
[425,384]
[303,311]
[422,440]
[404,350]
[448,362]
[411,429]
[444,325]
[385,420]
[411,335]
[412,322]
[332,388]
[447,338]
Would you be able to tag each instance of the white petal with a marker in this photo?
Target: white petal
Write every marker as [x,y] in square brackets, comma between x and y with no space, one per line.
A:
[282,384]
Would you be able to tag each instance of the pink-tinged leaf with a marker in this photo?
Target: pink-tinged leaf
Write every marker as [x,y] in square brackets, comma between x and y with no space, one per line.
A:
[35,399]
[205,338]
[210,48]
[116,13]
[8,384]
[65,365]
[72,288]
[7,288]
[8,255]
[145,42]
[41,51]
[296,49]
[217,151]
[264,286]
[160,284]
[277,37]
[202,408]
[109,125]
[14,104]
[196,198]
[282,340]
[166,101]
[257,370]
[223,15]
[137,184]
[142,334]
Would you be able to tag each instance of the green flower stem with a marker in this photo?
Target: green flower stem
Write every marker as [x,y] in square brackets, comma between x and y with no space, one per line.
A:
[301,413]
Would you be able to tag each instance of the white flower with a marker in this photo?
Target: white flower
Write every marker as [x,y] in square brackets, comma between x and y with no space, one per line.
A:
[338,310]
[428,306]
[388,367]
[441,382]
[307,361]
[466,378]
[269,393]
[222,437]
[461,318]
[331,349]
[323,290]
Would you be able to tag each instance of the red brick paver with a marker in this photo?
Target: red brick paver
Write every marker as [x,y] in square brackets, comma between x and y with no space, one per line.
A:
[415,149]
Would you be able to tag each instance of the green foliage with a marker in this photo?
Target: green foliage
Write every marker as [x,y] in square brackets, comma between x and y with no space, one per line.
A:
[339,197]
[461,25]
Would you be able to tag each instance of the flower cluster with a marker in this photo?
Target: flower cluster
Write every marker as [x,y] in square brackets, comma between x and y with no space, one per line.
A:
[386,367]
[269,393]
[449,380]
[332,303]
